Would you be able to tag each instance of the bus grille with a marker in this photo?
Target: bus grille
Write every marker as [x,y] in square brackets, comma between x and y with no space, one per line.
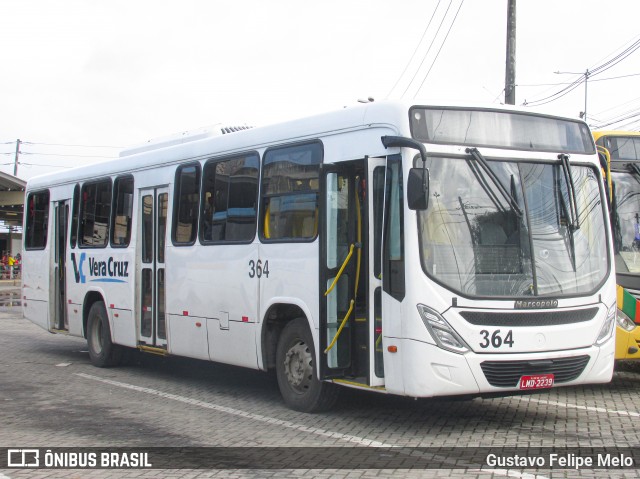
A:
[517,318]
[506,374]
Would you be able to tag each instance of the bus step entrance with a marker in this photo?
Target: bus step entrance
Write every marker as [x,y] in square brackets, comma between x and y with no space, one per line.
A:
[153,350]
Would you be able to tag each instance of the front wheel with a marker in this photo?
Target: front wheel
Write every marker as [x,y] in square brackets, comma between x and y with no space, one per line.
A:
[102,351]
[296,371]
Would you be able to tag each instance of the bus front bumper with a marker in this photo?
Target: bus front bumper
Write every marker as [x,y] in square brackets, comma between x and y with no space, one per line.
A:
[432,371]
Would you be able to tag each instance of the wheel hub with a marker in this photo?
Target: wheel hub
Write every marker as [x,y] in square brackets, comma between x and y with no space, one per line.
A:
[298,365]
[96,334]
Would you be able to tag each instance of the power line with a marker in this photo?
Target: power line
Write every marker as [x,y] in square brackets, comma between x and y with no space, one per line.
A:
[585,76]
[632,125]
[62,144]
[620,115]
[48,166]
[617,59]
[64,155]
[608,55]
[565,83]
[416,49]
[634,115]
[428,49]
[618,106]
[556,96]
[441,46]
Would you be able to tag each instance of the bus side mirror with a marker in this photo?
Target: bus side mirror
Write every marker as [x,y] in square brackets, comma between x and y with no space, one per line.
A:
[418,189]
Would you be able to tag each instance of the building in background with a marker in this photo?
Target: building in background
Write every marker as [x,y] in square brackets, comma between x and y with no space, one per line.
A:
[11,213]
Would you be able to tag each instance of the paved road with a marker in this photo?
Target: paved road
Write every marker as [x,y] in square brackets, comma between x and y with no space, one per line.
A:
[51,396]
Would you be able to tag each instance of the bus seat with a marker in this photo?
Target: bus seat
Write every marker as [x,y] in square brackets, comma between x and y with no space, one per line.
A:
[308,227]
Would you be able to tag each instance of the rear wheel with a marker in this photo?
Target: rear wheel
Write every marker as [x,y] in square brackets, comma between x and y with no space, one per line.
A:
[296,371]
[102,351]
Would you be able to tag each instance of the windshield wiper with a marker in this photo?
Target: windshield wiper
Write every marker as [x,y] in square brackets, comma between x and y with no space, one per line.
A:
[573,202]
[513,203]
[569,230]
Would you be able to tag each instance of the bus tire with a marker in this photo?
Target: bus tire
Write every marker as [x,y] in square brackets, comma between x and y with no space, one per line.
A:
[296,371]
[102,351]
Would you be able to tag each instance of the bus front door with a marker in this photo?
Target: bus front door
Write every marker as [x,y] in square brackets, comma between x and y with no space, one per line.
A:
[350,316]
[152,328]
[61,224]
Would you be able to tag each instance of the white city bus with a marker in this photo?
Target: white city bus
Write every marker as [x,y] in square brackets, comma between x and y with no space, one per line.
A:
[408,249]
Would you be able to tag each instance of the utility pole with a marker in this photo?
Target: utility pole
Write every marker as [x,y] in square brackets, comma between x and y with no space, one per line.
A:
[586,74]
[586,80]
[15,161]
[510,71]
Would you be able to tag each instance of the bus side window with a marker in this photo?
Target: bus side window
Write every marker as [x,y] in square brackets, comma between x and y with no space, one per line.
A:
[37,220]
[73,237]
[187,200]
[229,199]
[122,211]
[95,211]
[290,184]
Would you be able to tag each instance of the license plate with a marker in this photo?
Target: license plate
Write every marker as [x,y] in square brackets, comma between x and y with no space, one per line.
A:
[539,381]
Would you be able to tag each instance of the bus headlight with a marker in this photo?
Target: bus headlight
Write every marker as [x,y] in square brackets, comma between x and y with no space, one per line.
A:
[608,326]
[443,334]
[624,321]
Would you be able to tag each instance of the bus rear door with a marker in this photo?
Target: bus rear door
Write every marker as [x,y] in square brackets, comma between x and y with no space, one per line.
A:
[61,225]
[152,329]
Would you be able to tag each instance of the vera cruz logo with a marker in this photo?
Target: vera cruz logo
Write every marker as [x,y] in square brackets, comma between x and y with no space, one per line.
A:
[109,271]
[77,268]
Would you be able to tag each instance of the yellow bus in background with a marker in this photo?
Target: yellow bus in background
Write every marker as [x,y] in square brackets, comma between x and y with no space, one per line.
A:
[620,155]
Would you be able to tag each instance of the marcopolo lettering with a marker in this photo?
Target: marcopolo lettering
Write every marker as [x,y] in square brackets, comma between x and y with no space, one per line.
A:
[105,271]
[536,304]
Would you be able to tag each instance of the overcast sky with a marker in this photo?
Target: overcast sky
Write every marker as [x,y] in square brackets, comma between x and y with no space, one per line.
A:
[117,73]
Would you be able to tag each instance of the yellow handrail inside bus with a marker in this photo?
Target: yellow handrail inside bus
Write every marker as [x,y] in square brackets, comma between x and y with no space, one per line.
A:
[344,265]
[359,241]
[344,321]
[607,173]
[267,226]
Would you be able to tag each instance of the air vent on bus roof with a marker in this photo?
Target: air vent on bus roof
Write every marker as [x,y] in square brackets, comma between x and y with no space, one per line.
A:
[231,129]
[184,137]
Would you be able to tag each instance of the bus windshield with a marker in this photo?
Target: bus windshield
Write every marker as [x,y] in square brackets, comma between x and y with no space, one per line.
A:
[476,242]
[625,220]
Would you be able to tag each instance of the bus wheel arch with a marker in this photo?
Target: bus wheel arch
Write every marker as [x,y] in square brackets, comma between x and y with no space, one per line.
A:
[277,317]
[102,351]
[89,300]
